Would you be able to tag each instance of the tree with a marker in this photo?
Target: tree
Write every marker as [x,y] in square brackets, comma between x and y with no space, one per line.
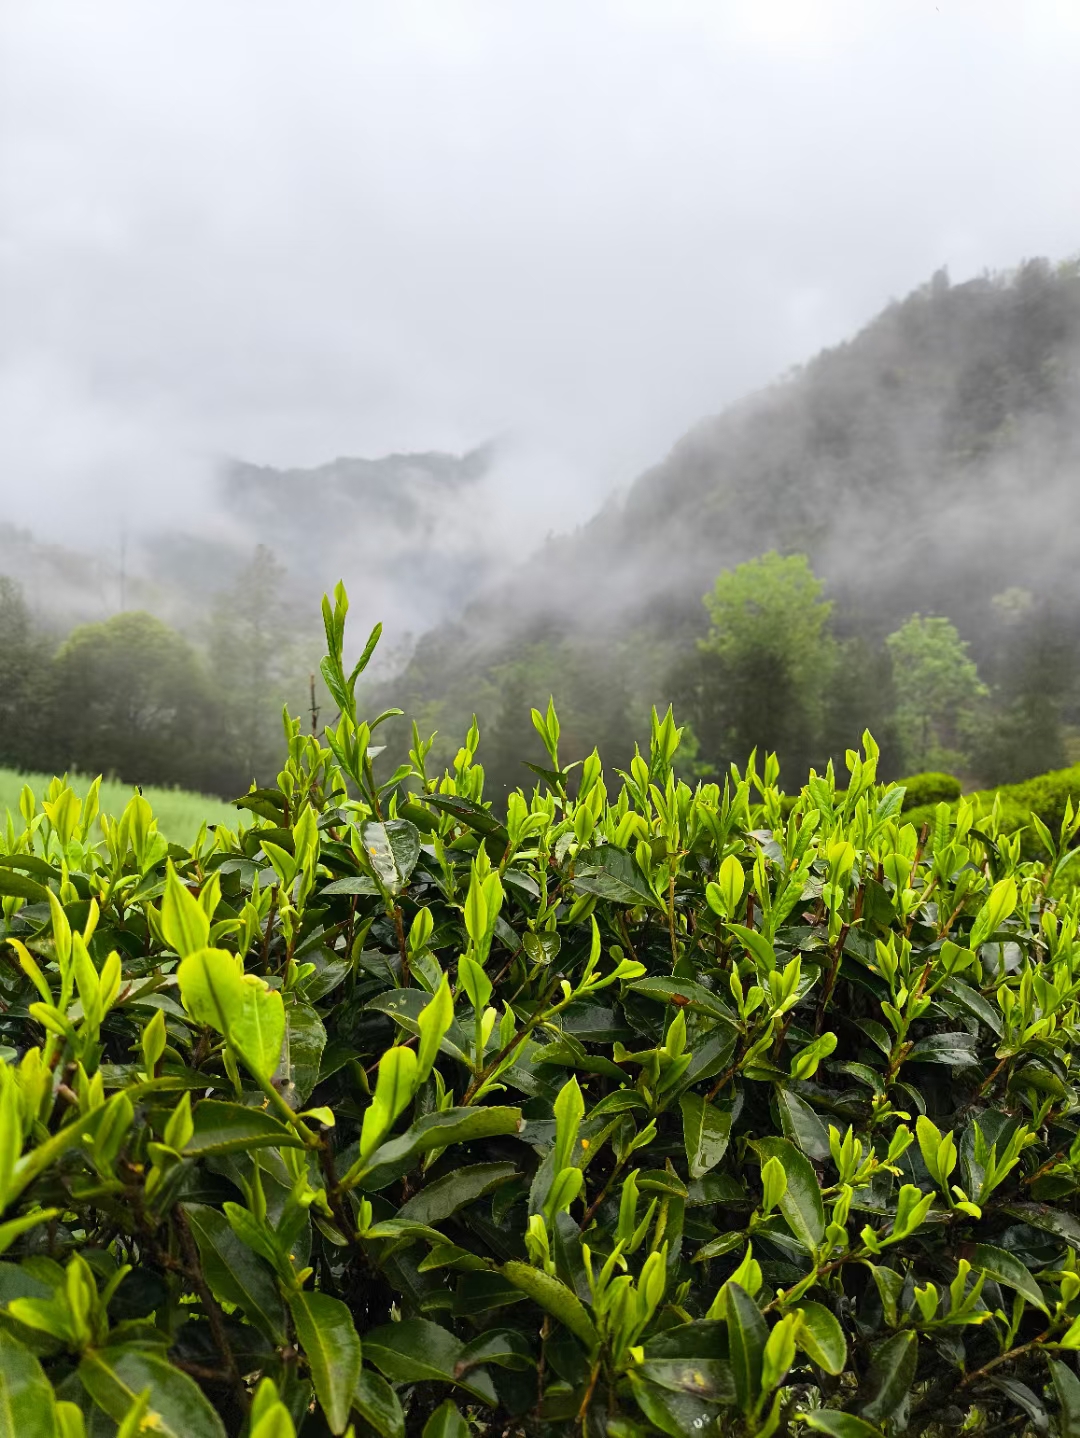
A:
[24,679]
[862,696]
[766,662]
[938,690]
[131,699]
[588,684]
[257,666]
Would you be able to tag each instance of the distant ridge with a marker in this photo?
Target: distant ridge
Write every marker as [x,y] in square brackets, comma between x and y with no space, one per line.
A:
[929,463]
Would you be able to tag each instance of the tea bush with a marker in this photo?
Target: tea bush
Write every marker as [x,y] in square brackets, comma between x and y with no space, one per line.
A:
[642,1109]
[1029,808]
[929,788]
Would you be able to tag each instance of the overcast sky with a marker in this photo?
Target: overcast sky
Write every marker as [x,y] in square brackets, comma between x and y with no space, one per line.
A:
[290,231]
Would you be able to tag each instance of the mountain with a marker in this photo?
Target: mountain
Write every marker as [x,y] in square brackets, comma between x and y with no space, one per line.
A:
[929,464]
[401,529]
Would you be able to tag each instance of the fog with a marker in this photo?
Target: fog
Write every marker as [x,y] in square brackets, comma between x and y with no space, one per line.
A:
[285,233]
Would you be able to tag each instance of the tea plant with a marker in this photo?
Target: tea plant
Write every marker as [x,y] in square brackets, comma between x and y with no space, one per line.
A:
[639,1108]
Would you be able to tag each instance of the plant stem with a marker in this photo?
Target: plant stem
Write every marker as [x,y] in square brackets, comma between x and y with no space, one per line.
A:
[210,1304]
[584,1409]
[590,1212]
[1005,1358]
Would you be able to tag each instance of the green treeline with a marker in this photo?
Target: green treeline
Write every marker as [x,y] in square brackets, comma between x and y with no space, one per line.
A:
[774,666]
[770,668]
[883,539]
[134,699]
[925,466]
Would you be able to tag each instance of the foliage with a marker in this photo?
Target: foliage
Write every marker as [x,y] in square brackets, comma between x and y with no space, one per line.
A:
[1031,667]
[136,699]
[897,462]
[255,655]
[24,675]
[1024,809]
[929,788]
[131,699]
[775,656]
[938,689]
[642,1111]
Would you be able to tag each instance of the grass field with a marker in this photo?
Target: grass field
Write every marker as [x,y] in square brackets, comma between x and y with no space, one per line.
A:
[178,813]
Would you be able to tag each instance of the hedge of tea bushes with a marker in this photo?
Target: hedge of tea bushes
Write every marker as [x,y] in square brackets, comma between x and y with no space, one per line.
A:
[637,1108]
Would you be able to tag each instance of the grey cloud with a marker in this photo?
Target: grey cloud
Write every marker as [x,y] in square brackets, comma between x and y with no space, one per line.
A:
[292,232]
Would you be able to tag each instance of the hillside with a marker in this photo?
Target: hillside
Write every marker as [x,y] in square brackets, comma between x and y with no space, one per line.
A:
[929,464]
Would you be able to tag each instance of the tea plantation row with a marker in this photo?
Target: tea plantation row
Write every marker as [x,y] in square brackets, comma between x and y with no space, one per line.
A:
[640,1109]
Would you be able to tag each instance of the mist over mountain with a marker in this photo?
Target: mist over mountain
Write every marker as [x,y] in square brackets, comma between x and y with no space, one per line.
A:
[930,464]
[927,466]
[370,520]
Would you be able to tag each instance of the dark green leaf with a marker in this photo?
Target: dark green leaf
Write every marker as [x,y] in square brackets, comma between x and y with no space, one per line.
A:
[672,1411]
[481,821]
[970,998]
[1006,1268]
[625,1100]
[1051,1220]
[613,874]
[392,849]
[569,1256]
[233,1128]
[404,1007]
[1067,1390]
[234,1273]
[19,886]
[446,1195]
[716,1247]
[414,1351]
[709,1378]
[29,864]
[379,1405]
[706,1131]
[954,1049]
[446,1422]
[27,1404]
[711,1055]
[878,1034]
[358,884]
[662,1180]
[747,1334]
[703,1339]
[417,1350]
[504,1346]
[801,1124]
[305,1039]
[267,803]
[698,999]
[890,1377]
[480,1290]
[801,1204]
[1024,1398]
[435,1130]
[863,1072]
[328,1337]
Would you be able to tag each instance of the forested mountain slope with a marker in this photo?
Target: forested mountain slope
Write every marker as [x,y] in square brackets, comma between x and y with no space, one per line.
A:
[930,464]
